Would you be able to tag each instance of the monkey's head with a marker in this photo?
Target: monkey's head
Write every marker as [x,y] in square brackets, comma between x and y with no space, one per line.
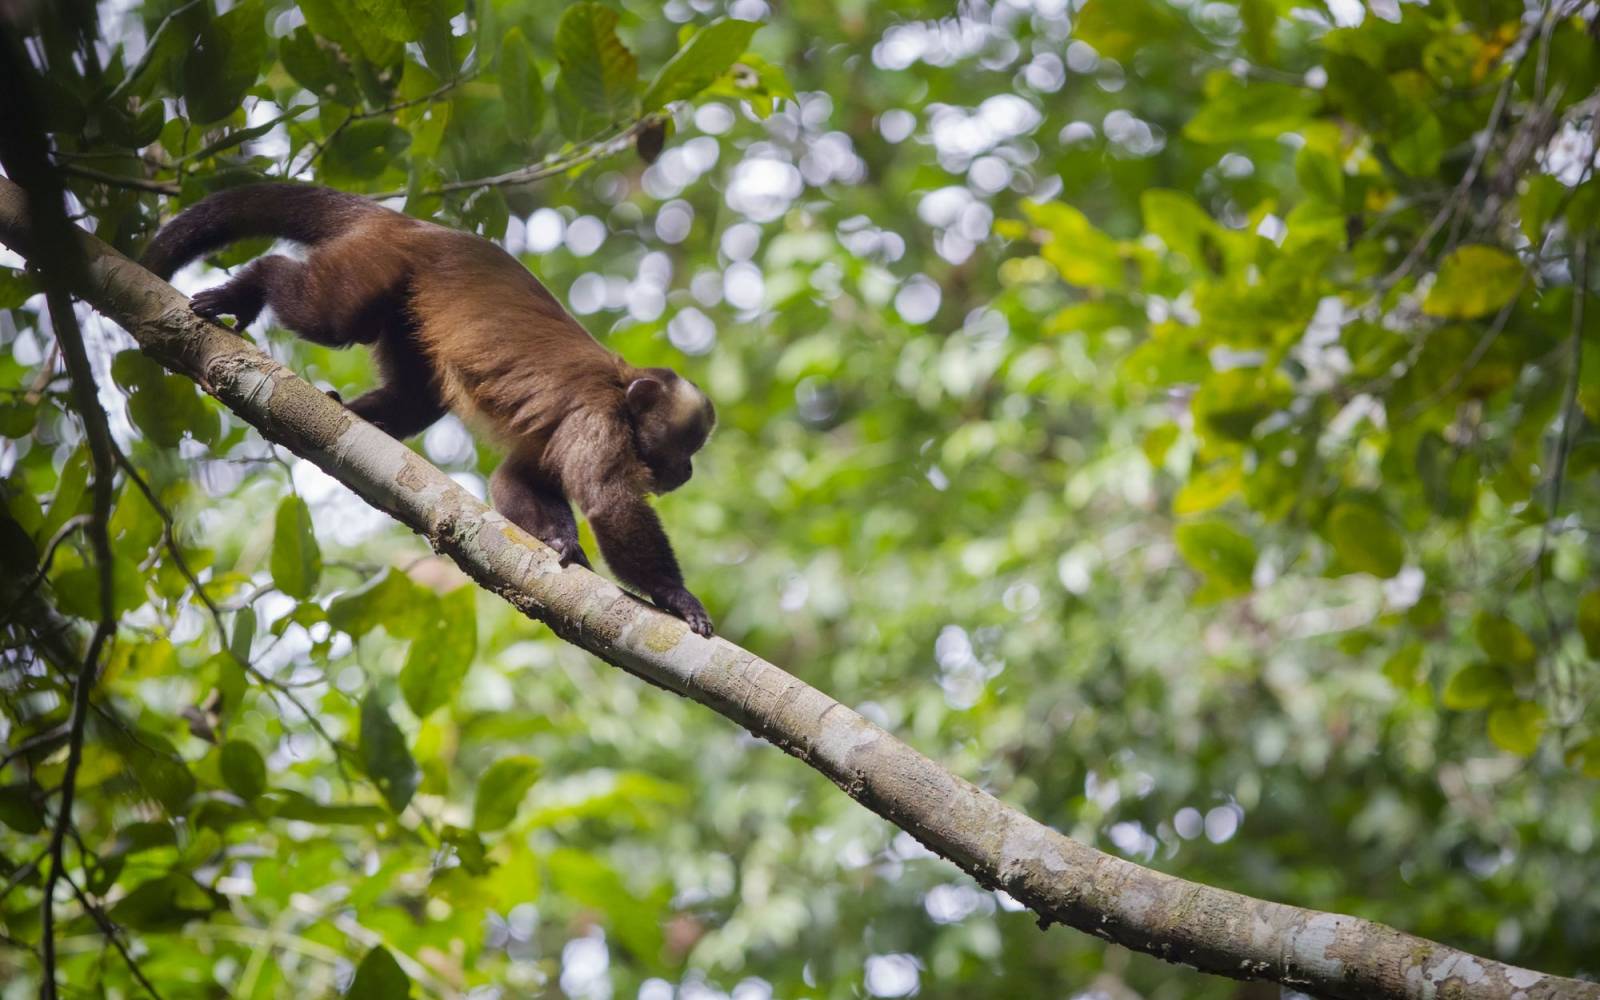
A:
[671,420]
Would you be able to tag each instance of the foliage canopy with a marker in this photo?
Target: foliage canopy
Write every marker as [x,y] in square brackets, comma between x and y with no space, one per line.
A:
[1178,418]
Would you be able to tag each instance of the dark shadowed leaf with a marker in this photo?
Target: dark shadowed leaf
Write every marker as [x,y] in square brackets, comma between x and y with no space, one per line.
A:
[379,977]
[384,755]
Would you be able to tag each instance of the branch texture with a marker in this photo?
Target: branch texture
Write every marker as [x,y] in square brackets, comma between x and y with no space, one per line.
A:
[1063,881]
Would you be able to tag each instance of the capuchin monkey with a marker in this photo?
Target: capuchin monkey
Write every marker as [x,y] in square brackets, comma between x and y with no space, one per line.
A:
[456,323]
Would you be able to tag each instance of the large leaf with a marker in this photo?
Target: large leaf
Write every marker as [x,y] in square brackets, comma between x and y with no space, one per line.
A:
[1237,111]
[1473,281]
[521,86]
[384,755]
[441,651]
[1517,727]
[501,790]
[296,560]
[224,61]
[599,69]
[1219,550]
[390,599]
[379,977]
[243,769]
[1589,622]
[707,55]
[163,903]
[1365,539]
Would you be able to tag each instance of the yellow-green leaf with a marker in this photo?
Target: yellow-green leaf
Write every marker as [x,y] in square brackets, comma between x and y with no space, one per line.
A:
[1517,728]
[1473,281]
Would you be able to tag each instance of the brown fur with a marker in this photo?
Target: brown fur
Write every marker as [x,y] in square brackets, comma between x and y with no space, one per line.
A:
[456,322]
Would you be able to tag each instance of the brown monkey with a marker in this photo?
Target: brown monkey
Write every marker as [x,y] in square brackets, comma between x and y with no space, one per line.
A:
[457,323]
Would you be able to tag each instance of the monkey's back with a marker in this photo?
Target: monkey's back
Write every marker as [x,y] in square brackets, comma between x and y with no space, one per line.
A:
[509,357]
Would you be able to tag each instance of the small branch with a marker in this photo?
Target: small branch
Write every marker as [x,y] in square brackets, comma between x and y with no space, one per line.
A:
[597,149]
[60,264]
[112,933]
[388,109]
[168,188]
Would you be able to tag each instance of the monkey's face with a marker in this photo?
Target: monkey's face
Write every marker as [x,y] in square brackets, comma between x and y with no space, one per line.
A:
[672,419]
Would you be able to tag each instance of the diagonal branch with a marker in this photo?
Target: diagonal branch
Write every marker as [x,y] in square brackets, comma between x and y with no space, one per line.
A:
[1062,880]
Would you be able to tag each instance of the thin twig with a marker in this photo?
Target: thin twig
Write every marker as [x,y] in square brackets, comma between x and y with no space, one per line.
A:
[168,188]
[597,149]
[111,932]
[356,116]
[1458,197]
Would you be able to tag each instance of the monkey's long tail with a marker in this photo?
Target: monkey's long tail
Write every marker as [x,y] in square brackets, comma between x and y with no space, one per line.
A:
[304,213]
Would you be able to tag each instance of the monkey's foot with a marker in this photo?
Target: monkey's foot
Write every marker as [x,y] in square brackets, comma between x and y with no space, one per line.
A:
[214,302]
[686,606]
[568,549]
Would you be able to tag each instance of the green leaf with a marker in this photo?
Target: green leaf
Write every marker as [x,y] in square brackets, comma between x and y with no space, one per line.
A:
[590,881]
[388,599]
[379,977]
[164,903]
[1260,18]
[353,29]
[163,406]
[441,652]
[501,791]
[1236,111]
[78,590]
[296,560]
[1589,622]
[1419,145]
[363,151]
[1504,641]
[1365,539]
[289,804]
[598,68]
[1183,226]
[223,62]
[1403,668]
[1219,550]
[244,634]
[1449,476]
[315,66]
[521,86]
[1517,728]
[384,755]
[707,55]
[1477,685]
[20,808]
[243,769]
[1473,281]
[1083,254]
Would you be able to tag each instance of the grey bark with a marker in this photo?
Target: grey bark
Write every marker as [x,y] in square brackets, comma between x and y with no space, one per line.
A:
[1061,880]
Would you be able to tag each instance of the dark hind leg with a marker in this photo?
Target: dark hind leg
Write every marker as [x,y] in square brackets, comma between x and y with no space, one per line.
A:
[538,508]
[279,282]
[408,402]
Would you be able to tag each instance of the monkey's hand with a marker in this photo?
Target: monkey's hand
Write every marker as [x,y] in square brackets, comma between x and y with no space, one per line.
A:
[686,606]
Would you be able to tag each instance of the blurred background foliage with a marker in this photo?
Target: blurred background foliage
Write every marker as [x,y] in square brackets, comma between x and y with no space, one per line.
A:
[1178,418]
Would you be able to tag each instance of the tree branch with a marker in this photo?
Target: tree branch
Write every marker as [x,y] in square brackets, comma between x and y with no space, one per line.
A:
[1061,880]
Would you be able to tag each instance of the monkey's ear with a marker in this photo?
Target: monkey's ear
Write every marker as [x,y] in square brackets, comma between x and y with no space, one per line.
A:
[643,393]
